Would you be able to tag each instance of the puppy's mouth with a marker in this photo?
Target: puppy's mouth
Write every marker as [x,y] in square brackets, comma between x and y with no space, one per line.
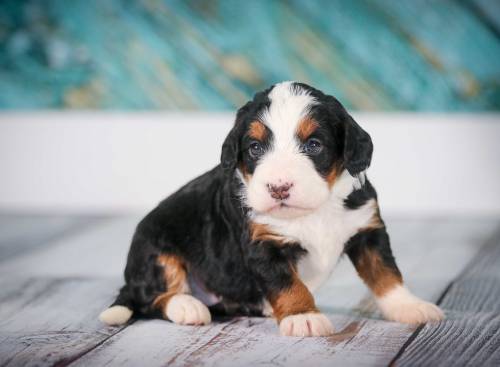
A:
[284,208]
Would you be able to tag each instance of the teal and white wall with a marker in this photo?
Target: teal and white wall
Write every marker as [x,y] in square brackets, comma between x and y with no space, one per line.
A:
[110,105]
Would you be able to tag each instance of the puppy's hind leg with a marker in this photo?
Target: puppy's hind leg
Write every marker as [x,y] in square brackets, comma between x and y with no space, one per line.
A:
[371,255]
[176,303]
[156,286]
[120,311]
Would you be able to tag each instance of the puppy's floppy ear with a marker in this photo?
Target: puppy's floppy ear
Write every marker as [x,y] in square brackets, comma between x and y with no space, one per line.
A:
[358,147]
[231,147]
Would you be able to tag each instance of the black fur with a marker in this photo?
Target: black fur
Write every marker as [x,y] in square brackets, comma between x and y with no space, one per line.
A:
[359,197]
[376,241]
[231,149]
[345,137]
[205,222]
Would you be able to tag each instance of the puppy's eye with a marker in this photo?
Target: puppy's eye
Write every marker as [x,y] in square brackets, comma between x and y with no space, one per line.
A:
[256,149]
[312,147]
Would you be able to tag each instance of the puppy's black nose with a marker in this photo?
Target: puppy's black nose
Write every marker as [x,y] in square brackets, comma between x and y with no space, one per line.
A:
[279,192]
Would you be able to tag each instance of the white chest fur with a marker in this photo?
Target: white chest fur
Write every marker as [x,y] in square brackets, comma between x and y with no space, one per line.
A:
[324,232]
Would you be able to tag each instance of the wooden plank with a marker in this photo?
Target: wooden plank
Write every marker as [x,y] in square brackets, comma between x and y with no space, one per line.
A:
[249,341]
[50,316]
[49,321]
[100,250]
[463,339]
[362,339]
[20,233]
[48,312]
[471,334]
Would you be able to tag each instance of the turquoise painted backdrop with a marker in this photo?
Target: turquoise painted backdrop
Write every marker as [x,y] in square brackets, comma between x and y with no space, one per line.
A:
[210,55]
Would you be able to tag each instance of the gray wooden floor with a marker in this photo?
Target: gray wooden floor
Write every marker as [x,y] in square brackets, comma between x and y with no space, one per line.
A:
[58,272]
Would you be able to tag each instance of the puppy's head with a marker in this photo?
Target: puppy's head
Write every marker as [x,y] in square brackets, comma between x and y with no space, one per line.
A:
[289,144]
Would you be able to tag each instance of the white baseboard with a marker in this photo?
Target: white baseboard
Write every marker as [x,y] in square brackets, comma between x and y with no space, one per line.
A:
[128,161]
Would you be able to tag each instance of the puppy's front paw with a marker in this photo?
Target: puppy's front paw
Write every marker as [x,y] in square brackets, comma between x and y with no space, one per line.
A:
[417,312]
[306,324]
[402,306]
[184,309]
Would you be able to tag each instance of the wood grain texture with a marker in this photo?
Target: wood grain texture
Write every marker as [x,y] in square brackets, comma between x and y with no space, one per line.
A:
[98,251]
[249,341]
[22,233]
[51,321]
[50,300]
[470,336]
[463,339]
[210,55]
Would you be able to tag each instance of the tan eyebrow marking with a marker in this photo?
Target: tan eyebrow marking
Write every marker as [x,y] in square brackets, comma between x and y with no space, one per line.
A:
[257,131]
[306,127]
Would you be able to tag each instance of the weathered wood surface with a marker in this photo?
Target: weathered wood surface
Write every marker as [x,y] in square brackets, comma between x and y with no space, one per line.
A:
[471,334]
[100,250]
[249,342]
[51,297]
[20,233]
[51,321]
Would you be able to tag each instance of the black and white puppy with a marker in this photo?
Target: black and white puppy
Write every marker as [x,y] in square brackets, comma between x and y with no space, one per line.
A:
[259,233]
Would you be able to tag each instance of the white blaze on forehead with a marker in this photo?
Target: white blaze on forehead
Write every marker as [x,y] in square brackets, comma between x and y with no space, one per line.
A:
[284,163]
[289,105]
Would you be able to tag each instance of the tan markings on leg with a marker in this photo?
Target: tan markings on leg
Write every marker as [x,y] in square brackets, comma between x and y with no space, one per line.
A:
[257,131]
[175,279]
[306,128]
[377,276]
[375,221]
[262,232]
[294,300]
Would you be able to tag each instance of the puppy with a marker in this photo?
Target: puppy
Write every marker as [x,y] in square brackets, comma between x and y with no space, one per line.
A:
[259,233]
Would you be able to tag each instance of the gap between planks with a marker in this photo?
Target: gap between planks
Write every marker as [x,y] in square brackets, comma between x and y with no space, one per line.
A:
[67,361]
[246,336]
[469,268]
